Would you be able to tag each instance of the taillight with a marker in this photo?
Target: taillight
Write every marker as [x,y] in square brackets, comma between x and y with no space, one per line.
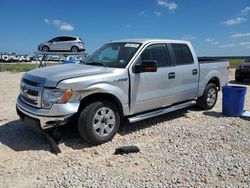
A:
[81,43]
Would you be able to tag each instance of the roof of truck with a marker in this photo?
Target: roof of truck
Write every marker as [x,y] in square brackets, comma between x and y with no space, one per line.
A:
[151,40]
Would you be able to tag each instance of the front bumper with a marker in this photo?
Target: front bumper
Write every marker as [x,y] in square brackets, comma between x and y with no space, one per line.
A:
[59,114]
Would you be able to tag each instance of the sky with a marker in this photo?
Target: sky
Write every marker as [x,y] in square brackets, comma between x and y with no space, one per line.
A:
[214,27]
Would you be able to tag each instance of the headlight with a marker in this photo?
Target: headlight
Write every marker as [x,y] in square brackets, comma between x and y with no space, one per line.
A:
[53,96]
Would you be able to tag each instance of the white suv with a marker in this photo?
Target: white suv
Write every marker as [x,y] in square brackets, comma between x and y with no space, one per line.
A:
[63,43]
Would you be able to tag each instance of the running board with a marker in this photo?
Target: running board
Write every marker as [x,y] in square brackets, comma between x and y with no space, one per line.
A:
[161,111]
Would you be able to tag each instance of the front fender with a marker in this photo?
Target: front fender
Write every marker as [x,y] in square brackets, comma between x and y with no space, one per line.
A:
[118,93]
[109,89]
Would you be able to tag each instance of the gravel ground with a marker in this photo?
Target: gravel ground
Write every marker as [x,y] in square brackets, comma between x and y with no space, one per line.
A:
[187,148]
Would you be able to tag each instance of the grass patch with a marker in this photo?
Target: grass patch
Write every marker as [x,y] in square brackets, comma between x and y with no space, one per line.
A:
[235,62]
[18,67]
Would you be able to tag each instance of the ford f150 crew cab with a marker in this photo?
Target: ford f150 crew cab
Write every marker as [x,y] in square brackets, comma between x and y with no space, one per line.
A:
[133,79]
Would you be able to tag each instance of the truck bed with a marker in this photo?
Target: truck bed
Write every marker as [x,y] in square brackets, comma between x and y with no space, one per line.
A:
[218,67]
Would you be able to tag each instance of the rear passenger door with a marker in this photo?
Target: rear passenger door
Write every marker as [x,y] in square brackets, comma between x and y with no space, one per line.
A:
[68,42]
[62,44]
[151,90]
[186,72]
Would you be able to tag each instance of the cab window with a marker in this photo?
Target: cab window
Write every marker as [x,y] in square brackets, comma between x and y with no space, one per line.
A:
[182,53]
[157,52]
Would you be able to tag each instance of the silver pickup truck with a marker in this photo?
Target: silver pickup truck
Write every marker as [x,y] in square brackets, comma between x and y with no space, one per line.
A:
[132,79]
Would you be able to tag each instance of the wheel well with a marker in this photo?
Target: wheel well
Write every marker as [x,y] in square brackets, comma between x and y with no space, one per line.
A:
[215,81]
[101,96]
[74,47]
[45,46]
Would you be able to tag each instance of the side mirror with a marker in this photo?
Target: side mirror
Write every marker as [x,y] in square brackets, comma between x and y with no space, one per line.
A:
[146,66]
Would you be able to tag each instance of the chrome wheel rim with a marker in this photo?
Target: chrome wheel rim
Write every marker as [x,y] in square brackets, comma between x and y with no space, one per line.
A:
[104,121]
[211,97]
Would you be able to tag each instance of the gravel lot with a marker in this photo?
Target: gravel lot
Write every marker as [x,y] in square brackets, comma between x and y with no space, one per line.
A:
[187,148]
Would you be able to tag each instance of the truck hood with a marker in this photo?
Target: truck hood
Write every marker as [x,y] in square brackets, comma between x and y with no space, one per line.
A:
[50,76]
[245,65]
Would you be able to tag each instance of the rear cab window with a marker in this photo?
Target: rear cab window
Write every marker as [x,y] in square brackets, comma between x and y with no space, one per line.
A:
[182,54]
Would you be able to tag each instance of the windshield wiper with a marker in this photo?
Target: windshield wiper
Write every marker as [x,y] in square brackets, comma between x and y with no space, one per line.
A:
[97,63]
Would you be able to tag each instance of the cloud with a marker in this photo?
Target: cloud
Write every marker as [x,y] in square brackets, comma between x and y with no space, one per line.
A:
[142,13]
[168,5]
[235,21]
[245,11]
[227,46]
[238,35]
[64,26]
[215,43]
[189,37]
[56,22]
[245,43]
[46,21]
[157,13]
[209,40]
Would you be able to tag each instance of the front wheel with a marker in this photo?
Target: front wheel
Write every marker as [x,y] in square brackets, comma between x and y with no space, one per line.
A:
[208,100]
[98,122]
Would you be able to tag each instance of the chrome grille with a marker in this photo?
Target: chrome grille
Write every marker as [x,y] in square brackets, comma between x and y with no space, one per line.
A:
[30,92]
[30,82]
[27,100]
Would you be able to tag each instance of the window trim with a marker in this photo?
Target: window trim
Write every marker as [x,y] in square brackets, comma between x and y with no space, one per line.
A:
[174,57]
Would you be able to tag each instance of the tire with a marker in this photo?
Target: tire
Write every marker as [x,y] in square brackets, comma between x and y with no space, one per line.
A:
[74,49]
[208,100]
[238,79]
[96,128]
[45,49]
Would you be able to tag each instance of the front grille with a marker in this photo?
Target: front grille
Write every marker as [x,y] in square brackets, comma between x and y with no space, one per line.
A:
[30,82]
[31,92]
[29,101]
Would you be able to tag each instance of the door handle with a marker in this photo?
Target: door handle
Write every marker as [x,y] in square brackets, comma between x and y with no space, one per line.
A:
[171,75]
[195,71]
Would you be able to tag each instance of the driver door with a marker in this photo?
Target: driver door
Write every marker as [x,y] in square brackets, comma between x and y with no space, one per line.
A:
[152,90]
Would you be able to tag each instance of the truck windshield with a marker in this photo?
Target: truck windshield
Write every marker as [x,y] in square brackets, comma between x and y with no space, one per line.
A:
[116,55]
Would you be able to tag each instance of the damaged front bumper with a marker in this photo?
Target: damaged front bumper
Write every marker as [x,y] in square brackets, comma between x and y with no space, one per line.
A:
[36,118]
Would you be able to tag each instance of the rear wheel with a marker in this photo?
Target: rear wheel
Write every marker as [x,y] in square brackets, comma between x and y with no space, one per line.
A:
[98,122]
[74,49]
[209,97]
[45,49]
